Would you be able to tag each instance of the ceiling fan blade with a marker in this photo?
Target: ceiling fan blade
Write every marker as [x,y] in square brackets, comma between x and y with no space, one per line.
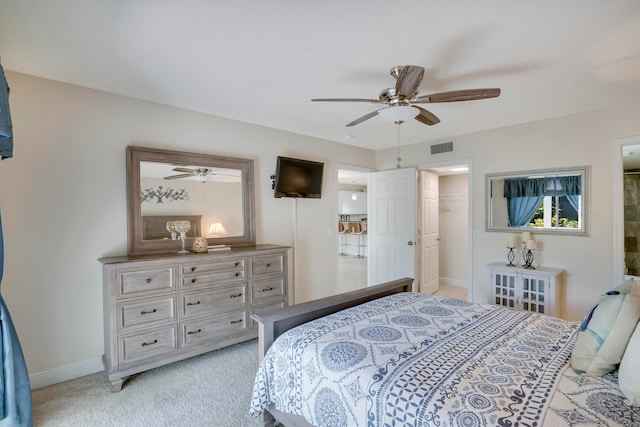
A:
[426,117]
[409,79]
[458,95]
[184,175]
[185,170]
[362,119]
[347,100]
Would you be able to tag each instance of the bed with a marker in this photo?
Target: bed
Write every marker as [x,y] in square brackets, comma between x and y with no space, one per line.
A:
[385,356]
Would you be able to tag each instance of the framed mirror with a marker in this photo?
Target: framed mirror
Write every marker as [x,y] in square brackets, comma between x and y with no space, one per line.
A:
[206,195]
[550,201]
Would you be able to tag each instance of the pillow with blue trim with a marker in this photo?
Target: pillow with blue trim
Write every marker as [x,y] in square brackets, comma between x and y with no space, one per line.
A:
[606,330]
[629,374]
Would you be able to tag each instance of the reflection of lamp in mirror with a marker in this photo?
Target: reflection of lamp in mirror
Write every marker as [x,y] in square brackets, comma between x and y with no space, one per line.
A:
[217,230]
[183,226]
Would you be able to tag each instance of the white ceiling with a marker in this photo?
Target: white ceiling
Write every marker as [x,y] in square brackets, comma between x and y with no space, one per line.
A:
[262,61]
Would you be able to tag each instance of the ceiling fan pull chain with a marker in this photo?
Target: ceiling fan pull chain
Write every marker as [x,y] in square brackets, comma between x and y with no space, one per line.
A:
[398,158]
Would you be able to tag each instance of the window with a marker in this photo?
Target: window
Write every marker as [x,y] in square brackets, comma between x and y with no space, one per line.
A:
[557,212]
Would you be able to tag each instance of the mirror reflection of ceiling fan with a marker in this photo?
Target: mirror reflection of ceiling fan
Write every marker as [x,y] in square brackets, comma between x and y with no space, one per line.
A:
[203,174]
[401,99]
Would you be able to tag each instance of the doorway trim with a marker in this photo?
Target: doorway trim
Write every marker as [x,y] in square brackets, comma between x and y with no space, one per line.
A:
[618,209]
[469,163]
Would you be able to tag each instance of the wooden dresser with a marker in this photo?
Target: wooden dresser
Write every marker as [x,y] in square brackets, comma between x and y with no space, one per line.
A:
[159,309]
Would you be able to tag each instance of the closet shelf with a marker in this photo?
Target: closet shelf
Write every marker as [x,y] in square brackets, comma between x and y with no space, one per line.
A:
[453,196]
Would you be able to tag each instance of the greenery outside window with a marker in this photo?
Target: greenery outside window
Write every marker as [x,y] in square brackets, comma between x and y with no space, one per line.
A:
[554,207]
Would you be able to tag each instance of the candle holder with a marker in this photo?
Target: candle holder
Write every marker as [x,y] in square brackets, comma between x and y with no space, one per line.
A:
[182,227]
[528,259]
[511,256]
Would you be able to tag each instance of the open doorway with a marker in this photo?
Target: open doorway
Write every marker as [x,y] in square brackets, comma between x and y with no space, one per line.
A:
[453,240]
[351,215]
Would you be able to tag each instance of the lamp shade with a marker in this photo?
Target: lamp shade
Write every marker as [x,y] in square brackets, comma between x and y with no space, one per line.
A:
[399,113]
[216,230]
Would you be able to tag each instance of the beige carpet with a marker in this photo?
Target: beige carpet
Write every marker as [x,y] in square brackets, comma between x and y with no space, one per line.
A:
[213,389]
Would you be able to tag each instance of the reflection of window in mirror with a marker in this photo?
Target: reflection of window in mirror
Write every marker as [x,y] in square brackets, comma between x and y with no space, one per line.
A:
[544,201]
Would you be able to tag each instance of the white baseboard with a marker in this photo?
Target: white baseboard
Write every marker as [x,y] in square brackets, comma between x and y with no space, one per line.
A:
[453,282]
[65,373]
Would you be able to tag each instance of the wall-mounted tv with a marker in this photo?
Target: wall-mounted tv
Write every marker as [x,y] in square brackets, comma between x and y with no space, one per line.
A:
[298,178]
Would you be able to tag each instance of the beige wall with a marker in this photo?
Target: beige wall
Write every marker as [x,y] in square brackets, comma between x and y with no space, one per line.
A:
[63,207]
[581,139]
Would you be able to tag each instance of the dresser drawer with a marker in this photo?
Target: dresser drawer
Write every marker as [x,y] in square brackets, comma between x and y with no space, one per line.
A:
[213,327]
[264,265]
[267,290]
[140,282]
[208,267]
[213,300]
[201,280]
[147,344]
[147,312]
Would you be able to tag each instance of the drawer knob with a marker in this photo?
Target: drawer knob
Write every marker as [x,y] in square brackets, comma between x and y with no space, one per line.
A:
[236,321]
[235,295]
[193,280]
[268,265]
[237,264]
[237,274]
[144,344]
[197,331]
[193,269]
[193,303]
[148,280]
[142,313]
[267,289]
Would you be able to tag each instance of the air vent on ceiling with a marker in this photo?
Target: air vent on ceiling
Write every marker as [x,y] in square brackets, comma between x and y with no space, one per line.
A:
[444,147]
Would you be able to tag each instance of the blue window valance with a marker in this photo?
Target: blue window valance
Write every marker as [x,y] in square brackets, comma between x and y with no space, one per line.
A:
[548,186]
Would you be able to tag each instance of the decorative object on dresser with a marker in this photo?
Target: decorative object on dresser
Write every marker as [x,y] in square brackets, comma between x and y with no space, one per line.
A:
[528,246]
[519,288]
[511,255]
[200,245]
[160,309]
[182,226]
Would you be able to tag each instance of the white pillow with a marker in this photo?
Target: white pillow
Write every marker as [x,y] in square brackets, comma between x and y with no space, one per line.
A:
[629,374]
[606,330]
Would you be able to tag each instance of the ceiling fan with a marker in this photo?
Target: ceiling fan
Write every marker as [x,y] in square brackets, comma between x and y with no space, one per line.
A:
[201,174]
[402,98]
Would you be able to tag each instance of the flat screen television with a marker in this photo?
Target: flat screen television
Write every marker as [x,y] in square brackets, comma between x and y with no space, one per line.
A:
[298,178]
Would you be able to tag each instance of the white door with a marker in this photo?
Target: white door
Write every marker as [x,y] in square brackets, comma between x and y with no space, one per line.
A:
[429,229]
[391,225]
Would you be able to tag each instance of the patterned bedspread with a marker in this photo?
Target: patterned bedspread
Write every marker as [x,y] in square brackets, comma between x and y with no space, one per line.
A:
[416,360]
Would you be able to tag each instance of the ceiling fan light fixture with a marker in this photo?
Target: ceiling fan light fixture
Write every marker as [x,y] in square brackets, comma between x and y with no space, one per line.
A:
[399,114]
[203,178]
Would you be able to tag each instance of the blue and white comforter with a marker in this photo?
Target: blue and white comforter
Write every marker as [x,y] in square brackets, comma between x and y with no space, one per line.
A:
[416,360]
